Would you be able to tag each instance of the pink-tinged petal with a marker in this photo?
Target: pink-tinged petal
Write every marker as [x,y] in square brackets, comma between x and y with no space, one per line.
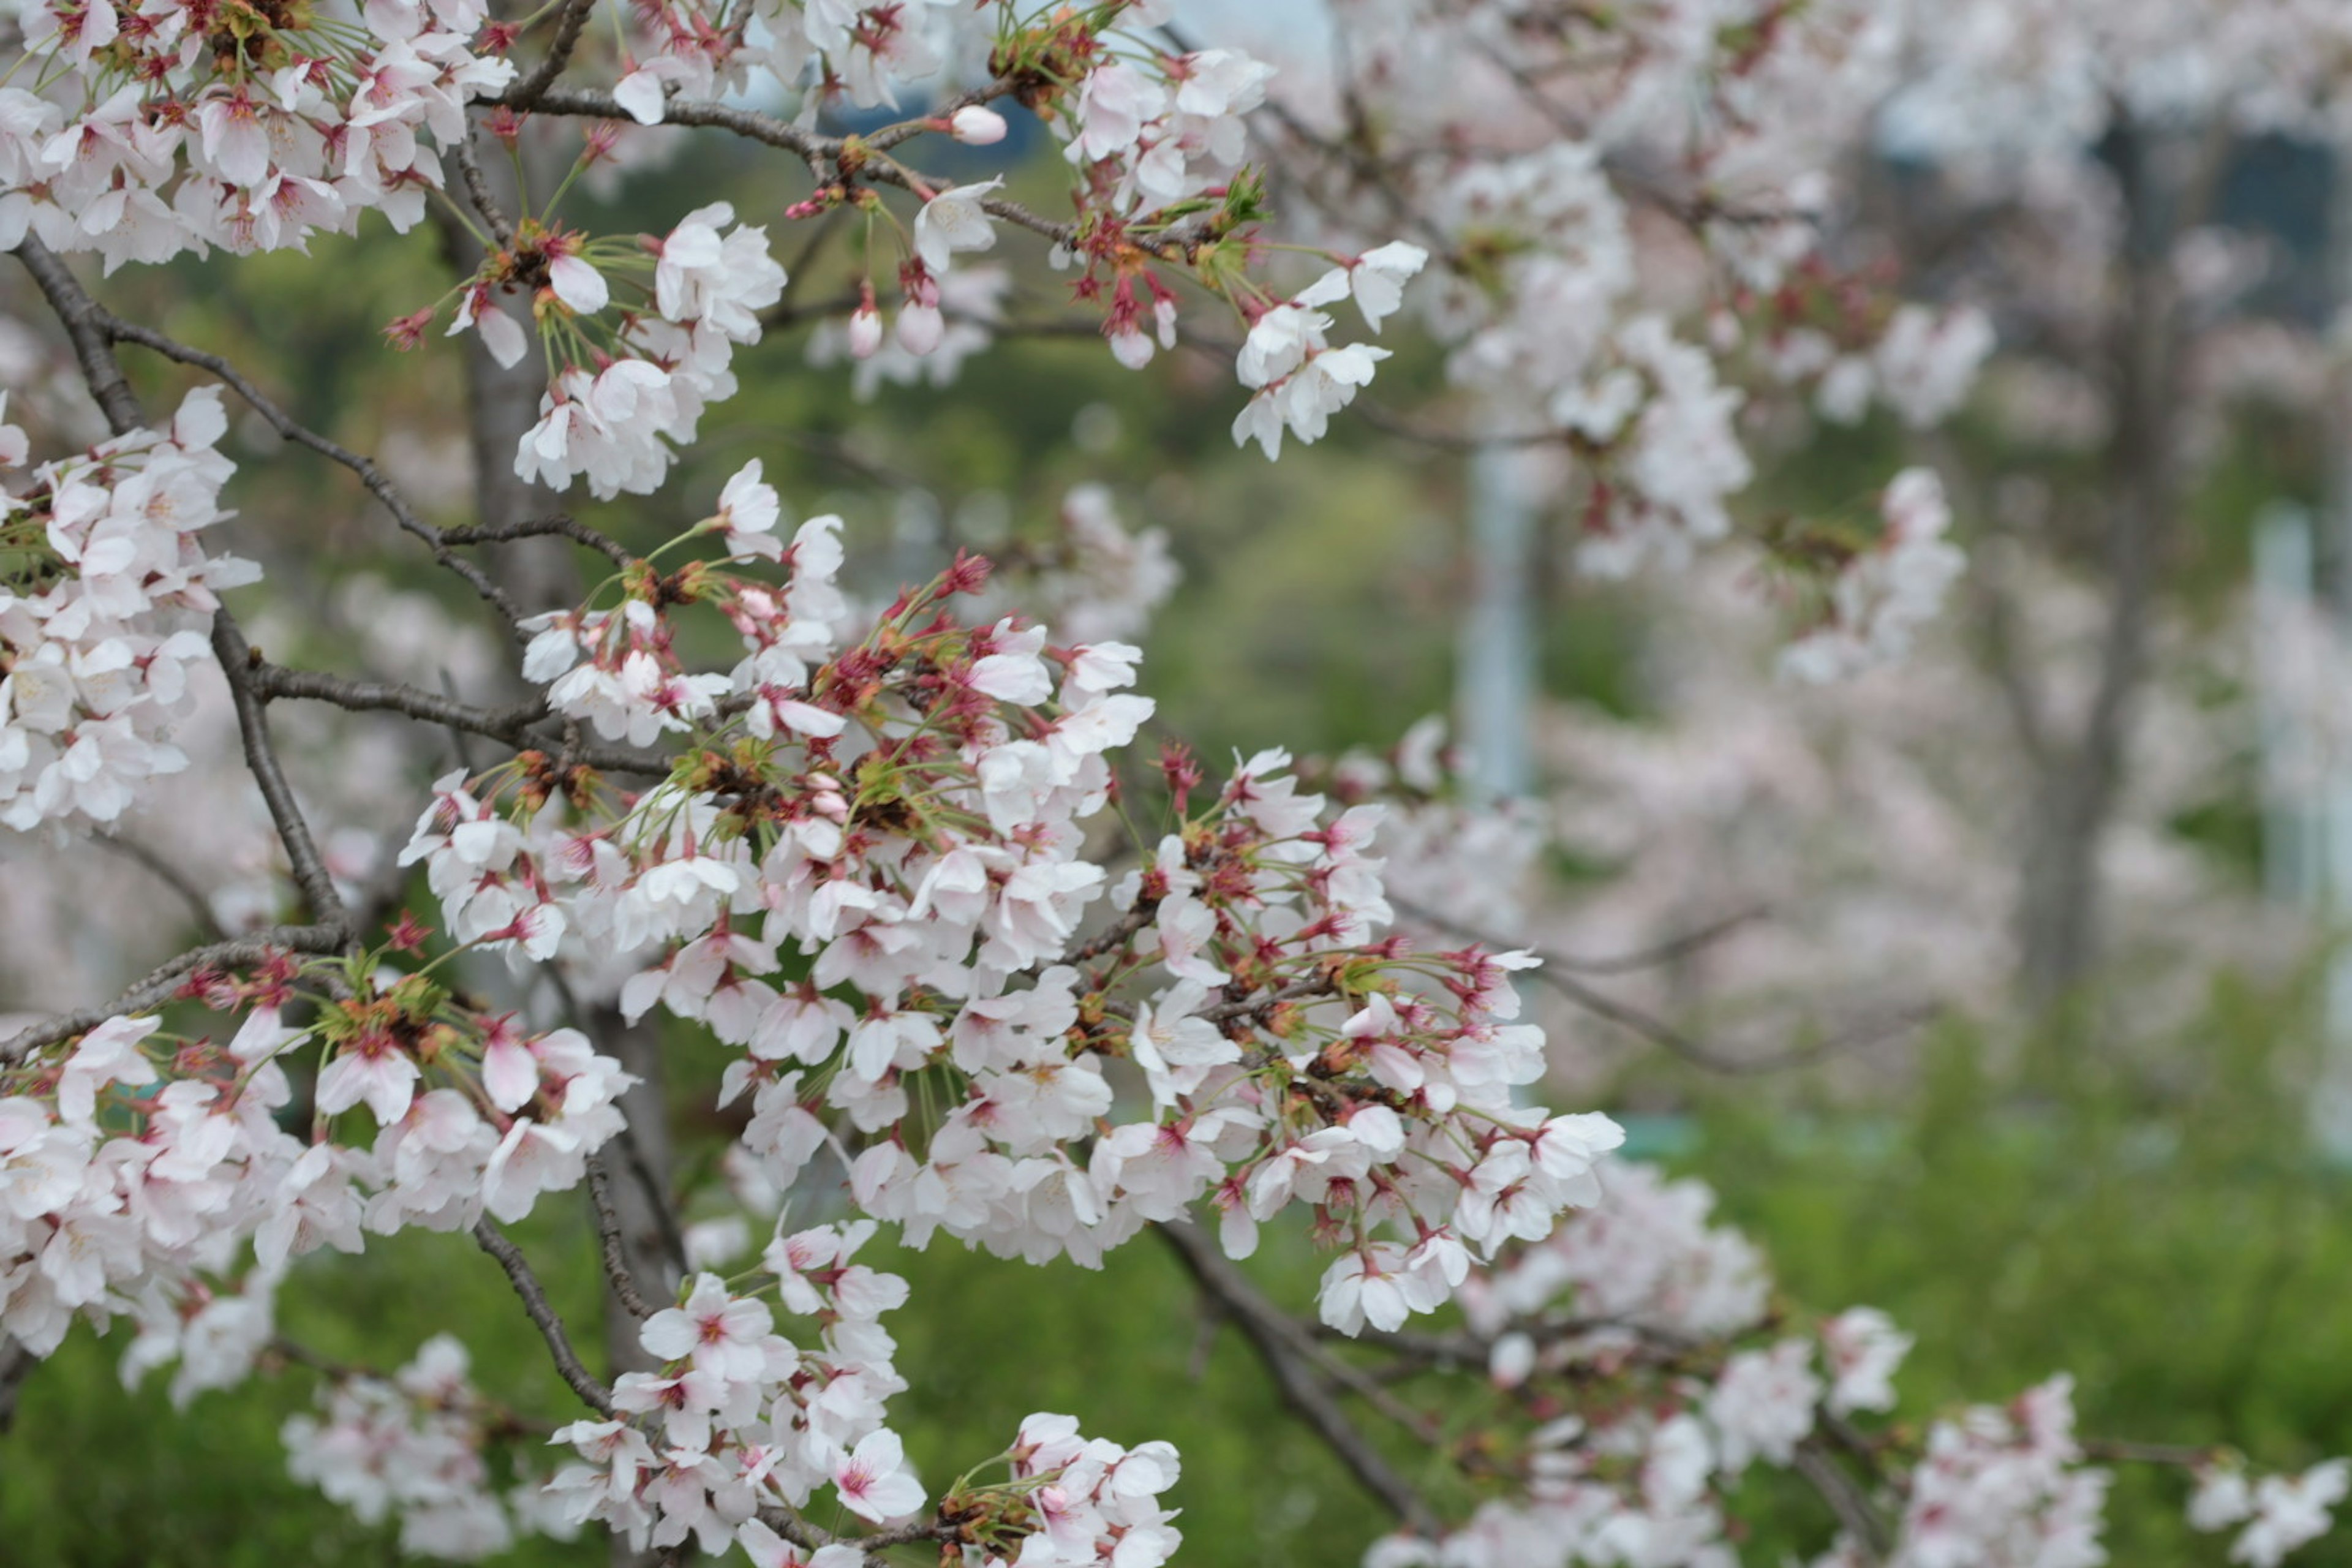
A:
[806,719]
[640,92]
[670,1334]
[509,1072]
[577,284]
[503,336]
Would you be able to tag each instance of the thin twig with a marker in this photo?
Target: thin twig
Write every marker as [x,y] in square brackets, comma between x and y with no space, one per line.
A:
[374,477]
[1552,970]
[657,1197]
[526,1284]
[172,877]
[1268,1329]
[1678,946]
[608,1228]
[822,155]
[2123,1450]
[560,525]
[162,982]
[310,873]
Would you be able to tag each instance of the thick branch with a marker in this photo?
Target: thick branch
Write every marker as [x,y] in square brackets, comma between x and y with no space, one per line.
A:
[87,325]
[1296,991]
[477,190]
[527,92]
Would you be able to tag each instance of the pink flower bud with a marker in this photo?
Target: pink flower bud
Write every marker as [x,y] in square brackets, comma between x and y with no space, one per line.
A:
[977,126]
[920,328]
[865,331]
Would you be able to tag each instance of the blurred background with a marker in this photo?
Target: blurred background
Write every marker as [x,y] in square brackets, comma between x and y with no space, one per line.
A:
[2001,988]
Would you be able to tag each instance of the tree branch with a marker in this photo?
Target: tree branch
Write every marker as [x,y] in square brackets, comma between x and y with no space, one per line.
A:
[527,92]
[166,980]
[1272,1336]
[1846,1499]
[561,525]
[478,190]
[272,681]
[310,873]
[608,1228]
[378,485]
[86,322]
[526,1284]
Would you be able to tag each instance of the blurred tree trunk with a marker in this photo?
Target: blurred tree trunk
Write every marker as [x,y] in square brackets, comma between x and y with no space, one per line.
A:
[2167,185]
[540,574]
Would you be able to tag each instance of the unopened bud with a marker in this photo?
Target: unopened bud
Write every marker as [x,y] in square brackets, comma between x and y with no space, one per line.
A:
[865,331]
[976,126]
[920,328]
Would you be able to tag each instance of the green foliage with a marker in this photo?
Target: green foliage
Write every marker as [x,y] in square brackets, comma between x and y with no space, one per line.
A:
[2155,1223]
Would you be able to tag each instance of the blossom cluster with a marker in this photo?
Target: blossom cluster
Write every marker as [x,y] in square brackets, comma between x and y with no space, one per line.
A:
[736,1418]
[867,872]
[623,390]
[2277,1513]
[172,126]
[1884,594]
[738,1430]
[136,1163]
[1298,379]
[412,1447]
[105,588]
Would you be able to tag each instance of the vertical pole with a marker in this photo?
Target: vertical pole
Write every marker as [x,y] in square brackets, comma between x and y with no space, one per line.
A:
[2291,840]
[1495,689]
[2331,1108]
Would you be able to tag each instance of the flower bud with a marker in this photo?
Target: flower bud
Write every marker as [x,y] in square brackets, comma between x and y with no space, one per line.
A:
[865,331]
[920,328]
[976,126]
